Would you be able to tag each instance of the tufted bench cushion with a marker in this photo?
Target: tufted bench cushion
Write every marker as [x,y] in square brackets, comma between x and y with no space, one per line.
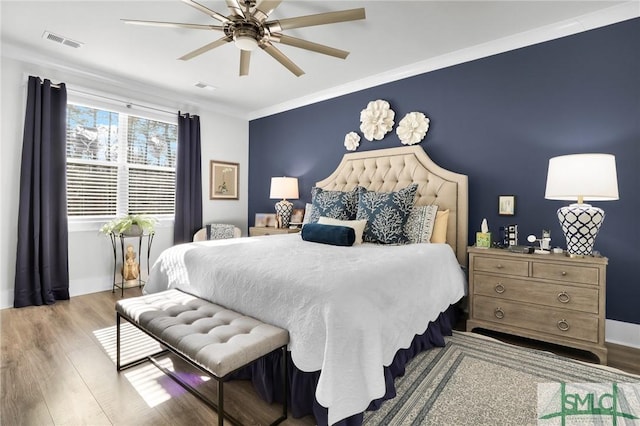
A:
[217,340]
[214,337]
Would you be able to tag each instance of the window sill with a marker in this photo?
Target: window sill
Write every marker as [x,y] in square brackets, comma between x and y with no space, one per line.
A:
[94,224]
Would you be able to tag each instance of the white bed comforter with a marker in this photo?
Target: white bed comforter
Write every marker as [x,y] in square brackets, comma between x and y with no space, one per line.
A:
[348,309]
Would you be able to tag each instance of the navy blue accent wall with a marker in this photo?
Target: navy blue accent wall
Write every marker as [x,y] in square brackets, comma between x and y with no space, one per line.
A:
[498,120]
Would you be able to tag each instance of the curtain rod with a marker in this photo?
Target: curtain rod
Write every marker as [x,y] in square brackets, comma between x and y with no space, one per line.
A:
[128,104]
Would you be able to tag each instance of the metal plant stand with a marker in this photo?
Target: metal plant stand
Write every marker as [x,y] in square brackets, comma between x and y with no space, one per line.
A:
[115,238]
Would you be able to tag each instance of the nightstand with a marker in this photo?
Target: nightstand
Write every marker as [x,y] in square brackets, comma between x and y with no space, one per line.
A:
[547,297]
[255,231]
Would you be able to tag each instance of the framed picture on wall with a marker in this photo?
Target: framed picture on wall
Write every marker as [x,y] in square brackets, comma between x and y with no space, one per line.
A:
[223,180]
[507,205]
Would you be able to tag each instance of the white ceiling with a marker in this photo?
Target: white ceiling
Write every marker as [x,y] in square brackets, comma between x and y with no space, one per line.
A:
[395,36]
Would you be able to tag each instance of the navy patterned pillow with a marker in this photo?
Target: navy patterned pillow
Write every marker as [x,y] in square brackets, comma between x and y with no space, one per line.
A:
[335,204]
[386,214]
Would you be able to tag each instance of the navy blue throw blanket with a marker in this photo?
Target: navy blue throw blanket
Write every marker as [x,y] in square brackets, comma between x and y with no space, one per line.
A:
[329,234]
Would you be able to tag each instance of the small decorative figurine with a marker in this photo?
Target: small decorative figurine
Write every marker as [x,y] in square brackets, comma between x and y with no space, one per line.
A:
[131,268]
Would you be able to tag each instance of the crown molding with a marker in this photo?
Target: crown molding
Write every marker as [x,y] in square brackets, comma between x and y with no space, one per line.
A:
[168,98]
[601,18]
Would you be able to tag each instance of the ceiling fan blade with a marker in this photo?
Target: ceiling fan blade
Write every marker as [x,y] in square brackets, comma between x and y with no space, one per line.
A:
[280,57]
[309,45]
[245,59]
[264,9]
[206,10]
[173,25]
[318,19]
[235,8]
[206,48]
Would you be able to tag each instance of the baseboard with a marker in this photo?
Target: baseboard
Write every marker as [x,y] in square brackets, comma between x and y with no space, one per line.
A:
[623,344]
[6,298]
[622,333]
[623,357]
[76,288]
[90,285]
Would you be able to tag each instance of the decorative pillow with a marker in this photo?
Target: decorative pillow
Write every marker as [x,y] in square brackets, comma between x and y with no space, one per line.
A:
[357,225]
[335,204]
[420,223]
[218,231]
[386,214]
[307,213]
[329,234]
[439,234]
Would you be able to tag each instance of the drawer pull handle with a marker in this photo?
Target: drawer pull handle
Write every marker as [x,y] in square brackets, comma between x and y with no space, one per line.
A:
[563,273]
[499,313]
[564,297]
[563,325]
[499,288]
[499,266]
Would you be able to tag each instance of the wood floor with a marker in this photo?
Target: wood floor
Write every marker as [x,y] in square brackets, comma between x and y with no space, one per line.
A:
[58,369]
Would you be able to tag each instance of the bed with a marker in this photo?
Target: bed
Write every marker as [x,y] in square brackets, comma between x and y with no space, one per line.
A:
[355,315]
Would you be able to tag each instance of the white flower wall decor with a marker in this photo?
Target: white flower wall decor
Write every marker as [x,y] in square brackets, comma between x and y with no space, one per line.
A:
[376,120]
[351,141]
[412,128]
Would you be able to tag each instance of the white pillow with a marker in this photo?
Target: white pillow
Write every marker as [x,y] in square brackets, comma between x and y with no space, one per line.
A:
[357,225]
[307,213]
[420,224]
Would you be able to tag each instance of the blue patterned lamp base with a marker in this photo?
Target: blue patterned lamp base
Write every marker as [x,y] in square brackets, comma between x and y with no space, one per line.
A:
[284,209]
[580,224]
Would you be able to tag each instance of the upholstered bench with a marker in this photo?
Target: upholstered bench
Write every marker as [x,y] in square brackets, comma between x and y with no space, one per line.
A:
[212,338]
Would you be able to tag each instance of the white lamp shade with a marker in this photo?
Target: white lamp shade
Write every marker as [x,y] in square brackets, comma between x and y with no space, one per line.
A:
[284,187]
[582,177]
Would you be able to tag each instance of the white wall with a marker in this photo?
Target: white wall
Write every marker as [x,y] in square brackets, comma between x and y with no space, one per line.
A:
[224,138]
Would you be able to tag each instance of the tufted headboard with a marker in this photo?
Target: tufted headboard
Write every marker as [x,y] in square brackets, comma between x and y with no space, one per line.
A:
[387,170]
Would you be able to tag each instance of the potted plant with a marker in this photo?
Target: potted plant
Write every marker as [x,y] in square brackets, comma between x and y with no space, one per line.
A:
[131,224]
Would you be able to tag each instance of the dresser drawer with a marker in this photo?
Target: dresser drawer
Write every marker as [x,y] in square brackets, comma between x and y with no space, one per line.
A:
[567,273]
[529,291]
[564,323]
[502,266]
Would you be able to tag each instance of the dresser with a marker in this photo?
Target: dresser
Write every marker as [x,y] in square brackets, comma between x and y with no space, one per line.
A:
[547,297]
[256,231]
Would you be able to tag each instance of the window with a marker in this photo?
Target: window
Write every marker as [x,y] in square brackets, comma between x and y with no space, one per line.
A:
[119,163]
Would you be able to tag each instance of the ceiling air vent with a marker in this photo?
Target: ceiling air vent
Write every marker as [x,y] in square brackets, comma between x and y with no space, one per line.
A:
[61,40]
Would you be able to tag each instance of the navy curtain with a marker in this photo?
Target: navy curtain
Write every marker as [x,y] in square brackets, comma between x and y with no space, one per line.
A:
[42,262]
[188,218]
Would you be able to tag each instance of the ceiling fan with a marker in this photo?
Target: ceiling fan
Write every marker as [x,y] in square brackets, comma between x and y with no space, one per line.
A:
[248,28]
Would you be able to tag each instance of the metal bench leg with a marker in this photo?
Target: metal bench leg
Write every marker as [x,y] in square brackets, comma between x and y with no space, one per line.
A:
[118,341]
[220,403]
[119,365]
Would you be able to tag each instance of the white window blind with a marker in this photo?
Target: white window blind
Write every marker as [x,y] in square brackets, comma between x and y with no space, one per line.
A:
[119,164]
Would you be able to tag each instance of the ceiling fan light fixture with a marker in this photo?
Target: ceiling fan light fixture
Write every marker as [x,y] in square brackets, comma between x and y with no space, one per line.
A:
[248,28]
[245,42]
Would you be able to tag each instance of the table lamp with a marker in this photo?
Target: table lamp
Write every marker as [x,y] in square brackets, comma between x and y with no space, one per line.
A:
[284,187]
[581,177]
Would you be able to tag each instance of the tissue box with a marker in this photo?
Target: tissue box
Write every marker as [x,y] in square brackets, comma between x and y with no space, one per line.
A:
[483,239]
